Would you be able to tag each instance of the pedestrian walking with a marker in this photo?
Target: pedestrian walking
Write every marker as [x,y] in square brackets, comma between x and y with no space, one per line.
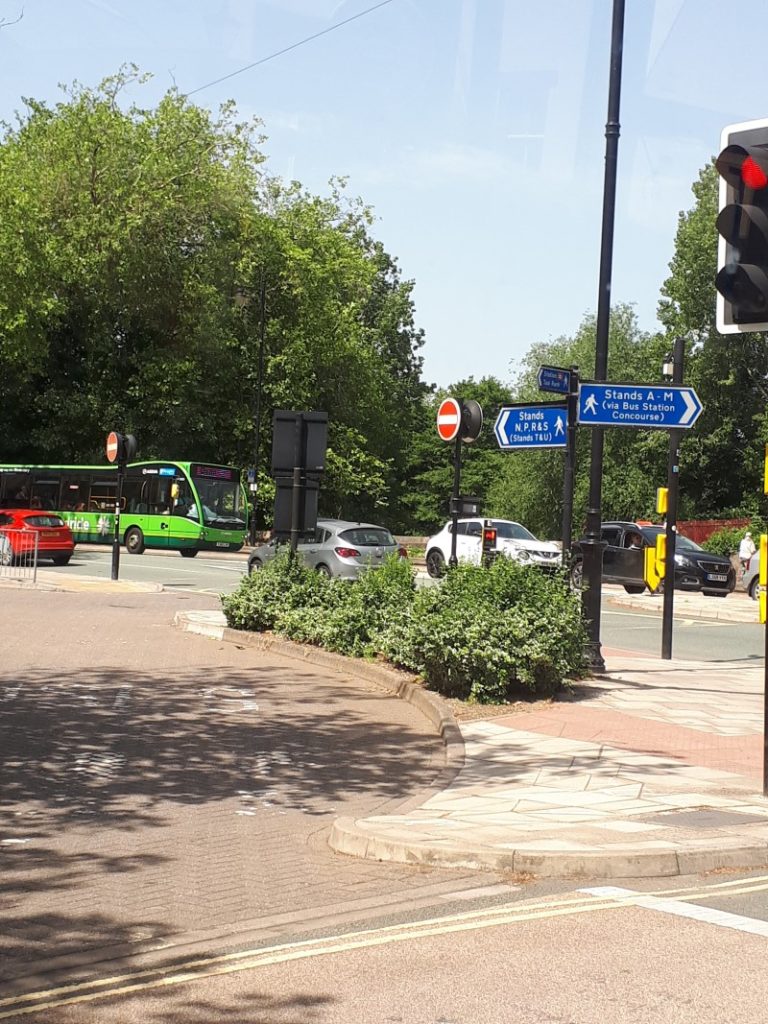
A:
[746,550]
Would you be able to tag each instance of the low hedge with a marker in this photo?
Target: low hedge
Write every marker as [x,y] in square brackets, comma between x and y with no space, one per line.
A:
[484,634]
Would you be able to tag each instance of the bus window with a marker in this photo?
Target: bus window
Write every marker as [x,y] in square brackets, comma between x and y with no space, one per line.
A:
[75,488]
[103,495]
[45,492]
[15,488]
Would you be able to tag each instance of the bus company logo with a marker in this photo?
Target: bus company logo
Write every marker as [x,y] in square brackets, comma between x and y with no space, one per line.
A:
[77,525]
[149,471]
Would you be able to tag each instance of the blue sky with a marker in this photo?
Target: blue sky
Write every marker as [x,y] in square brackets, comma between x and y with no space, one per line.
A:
[475,129]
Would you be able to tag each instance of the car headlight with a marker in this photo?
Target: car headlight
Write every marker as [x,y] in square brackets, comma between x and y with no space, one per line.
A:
[523,555]
[684,561]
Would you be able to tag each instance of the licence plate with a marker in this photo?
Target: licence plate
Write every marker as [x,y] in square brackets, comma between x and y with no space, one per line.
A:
[717,577]
[223,544]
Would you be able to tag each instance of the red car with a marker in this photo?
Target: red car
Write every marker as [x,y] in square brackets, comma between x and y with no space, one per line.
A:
[20,526]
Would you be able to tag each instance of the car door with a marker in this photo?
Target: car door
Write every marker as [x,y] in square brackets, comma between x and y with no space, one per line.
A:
[468,541]
[629,562]
[611,537]
[312,551]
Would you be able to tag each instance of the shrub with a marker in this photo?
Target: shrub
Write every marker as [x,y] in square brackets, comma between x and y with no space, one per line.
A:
[266,594]
[726,541]
[482,635]
[485,634]
[354,615]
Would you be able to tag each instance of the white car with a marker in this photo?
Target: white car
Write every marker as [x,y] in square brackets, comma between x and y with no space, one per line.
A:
[512,540]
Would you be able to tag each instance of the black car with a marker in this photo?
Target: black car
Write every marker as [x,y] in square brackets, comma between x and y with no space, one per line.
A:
[624,557]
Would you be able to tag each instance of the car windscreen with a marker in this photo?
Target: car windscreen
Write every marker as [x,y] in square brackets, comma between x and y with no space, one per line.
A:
[368,537]
[44,522]
[681,543]
[512,531]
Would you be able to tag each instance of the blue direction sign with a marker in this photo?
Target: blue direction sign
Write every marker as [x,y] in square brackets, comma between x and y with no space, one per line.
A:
[661,406]
[554,378]
[532,426]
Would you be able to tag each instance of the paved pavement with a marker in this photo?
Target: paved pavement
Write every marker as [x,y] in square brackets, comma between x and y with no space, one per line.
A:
[654,768]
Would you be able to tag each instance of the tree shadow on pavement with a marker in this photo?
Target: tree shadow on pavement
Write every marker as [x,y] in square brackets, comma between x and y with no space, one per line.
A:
[110,777]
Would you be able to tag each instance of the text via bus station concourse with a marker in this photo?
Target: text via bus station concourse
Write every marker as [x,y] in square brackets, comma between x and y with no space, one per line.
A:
[625,405]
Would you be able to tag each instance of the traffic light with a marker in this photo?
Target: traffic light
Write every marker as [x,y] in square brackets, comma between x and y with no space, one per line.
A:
[489,542]
[662,500]
[742,221]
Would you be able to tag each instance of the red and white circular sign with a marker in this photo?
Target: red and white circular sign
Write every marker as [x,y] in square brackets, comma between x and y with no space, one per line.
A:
[448,419]
[112,446]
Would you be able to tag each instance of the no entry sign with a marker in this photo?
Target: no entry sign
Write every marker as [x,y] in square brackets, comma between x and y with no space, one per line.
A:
[113,444]
[448,419]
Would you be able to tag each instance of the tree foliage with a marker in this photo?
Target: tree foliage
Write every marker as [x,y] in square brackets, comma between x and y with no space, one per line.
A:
[126,236]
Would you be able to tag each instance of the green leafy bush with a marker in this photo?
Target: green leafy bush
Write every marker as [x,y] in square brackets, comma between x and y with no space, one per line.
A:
[726,541]
[485,634]
[283,584]
[482,635]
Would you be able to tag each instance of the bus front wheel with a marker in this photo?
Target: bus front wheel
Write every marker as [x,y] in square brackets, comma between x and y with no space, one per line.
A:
[188,552]
[134,541]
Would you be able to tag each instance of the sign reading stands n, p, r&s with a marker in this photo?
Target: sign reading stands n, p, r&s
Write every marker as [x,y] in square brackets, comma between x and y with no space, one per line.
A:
[542,425]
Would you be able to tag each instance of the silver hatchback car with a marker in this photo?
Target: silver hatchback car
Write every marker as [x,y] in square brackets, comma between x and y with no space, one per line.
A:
[339,549]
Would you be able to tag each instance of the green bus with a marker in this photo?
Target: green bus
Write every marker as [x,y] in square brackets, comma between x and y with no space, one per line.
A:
[178,506]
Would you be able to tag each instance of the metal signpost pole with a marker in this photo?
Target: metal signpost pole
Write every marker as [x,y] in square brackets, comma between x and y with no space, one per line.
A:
[592,545]
[570,464]
[297,493]
[118,502]
[673,487]
[453,560]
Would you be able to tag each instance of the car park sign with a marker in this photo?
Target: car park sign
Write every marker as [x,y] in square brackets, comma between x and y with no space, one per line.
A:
[449,419]
[543,425]
[554,378]
[651,406]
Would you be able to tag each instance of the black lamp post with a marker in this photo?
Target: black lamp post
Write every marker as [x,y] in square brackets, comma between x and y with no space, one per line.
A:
[672,369]
[243,300]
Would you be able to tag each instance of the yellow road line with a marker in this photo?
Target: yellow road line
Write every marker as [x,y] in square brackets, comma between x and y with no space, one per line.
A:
[250,959]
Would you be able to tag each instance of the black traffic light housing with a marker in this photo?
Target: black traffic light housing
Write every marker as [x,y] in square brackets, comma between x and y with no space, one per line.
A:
[742,222]
[490,536]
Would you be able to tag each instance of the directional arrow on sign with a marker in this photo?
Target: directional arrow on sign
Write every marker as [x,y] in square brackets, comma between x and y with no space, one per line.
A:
[650,406]
[544,425]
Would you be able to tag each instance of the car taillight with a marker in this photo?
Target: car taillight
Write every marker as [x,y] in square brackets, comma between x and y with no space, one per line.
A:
[347,552]
[402,552]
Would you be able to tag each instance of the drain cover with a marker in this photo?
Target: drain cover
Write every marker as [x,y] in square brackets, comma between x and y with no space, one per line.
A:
[706,817]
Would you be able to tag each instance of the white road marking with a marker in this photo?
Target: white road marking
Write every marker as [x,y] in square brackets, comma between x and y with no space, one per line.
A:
[707,915]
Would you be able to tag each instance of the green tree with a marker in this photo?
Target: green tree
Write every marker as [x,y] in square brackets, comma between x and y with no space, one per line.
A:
[530,488]
[125,237]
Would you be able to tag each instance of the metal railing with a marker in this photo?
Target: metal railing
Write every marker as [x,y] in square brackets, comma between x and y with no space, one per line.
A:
[18,554]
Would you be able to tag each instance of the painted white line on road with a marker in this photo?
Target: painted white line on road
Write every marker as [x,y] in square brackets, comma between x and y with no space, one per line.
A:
[707,915]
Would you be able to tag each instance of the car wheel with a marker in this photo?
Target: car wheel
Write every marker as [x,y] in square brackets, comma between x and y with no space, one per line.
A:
[634,588]
[324,571]
[435,564]
[754,588]
[577,576]
[134,541]
[188,552]
[61,559]
[254,565]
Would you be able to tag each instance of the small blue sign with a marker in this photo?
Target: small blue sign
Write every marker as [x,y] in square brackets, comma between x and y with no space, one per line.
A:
[651,406]
[554,378]
[532,426]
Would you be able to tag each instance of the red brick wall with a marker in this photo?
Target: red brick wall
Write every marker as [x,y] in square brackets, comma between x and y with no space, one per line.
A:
[698,530]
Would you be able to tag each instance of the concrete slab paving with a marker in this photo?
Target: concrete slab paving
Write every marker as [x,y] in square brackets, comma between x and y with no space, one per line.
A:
[571,790]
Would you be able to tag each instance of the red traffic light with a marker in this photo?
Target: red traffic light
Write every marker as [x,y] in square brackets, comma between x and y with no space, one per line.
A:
[753,175]
[489,537]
